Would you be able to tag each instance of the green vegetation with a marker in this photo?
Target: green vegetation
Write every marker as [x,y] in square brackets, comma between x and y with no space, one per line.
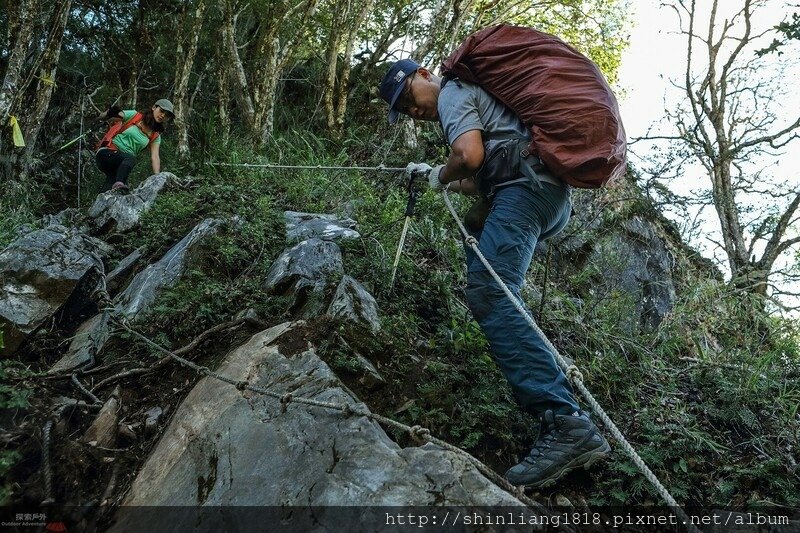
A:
[709,397]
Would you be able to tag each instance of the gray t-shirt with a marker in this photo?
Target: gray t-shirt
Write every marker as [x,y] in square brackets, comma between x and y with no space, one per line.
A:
[469,107]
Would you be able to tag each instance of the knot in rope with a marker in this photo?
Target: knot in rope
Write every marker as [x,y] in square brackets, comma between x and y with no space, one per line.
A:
[203,370]
[420,433]
[104,300]
[285,400]
[102,293]
[242,385]
[472,241]
[573,374]
[347,410]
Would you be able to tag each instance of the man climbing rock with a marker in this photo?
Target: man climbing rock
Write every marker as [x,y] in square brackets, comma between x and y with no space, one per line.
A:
[528,204]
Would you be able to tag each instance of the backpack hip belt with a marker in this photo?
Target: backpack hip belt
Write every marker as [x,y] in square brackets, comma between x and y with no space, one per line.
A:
[508,158]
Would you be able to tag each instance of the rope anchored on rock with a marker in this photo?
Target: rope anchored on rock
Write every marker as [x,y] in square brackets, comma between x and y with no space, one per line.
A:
[417,433]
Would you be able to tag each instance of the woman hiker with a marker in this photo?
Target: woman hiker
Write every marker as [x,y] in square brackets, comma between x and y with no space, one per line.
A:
[132,131]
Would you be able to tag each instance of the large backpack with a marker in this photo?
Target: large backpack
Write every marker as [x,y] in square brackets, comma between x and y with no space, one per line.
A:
[560,95]
[118,127]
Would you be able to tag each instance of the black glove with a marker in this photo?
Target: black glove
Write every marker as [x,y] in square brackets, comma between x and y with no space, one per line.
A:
[113,112]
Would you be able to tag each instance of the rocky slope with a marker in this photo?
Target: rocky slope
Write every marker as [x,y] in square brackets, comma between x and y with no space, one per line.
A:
[165,438]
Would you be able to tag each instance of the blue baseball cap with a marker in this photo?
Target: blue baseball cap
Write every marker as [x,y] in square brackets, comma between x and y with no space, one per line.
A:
[393,83]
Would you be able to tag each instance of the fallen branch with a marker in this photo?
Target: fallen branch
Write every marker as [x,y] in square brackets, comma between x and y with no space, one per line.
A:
[117,377]
[180,351]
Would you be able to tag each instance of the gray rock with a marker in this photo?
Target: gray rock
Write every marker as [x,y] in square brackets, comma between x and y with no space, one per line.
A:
[370,377]
[117,277]
[24,229]
[69,217]
[232,448]
[638,265]
[87,342]
[137,298]
[353,302]
[148,284]
[121,212]
[151,419]
[301,226]
[583,228]
[633,260]
[251,316]
[44,271]
[305,272]
[103,431]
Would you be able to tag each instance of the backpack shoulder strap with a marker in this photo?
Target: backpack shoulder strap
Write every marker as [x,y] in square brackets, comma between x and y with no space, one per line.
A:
[447,78]
[135,119]
[117,127]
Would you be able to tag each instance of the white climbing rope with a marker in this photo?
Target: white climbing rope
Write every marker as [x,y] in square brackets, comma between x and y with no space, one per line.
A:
[379,168]
[418,433]
[573,374]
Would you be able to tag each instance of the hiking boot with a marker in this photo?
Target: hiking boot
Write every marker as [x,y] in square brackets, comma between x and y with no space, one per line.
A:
[119,186]
[565,443]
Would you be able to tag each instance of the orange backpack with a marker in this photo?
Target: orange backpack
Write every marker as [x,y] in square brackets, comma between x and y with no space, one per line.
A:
[118,127]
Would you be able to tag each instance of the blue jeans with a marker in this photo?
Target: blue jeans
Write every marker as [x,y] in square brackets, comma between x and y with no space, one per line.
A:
[521,214]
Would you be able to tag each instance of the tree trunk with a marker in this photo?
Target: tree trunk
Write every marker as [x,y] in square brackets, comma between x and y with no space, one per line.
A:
[343,32]
[435,31]
[133,88]
[223,97]
[34,118]
[33,115]
[25,15]
[460,10]
[185,61]
[443,31]
[265,118]
[390,34]
[274,59]
[343,87]
[332,58]
[237,74]
[730,123]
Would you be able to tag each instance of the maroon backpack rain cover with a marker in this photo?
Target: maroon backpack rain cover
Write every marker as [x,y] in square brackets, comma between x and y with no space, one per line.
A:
[560,95]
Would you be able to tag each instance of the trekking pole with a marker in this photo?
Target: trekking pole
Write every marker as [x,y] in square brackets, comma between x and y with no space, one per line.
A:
[412,200]
[379,168]
[70,143]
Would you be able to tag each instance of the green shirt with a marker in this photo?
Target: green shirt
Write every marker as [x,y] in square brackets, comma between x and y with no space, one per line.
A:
[132,140]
